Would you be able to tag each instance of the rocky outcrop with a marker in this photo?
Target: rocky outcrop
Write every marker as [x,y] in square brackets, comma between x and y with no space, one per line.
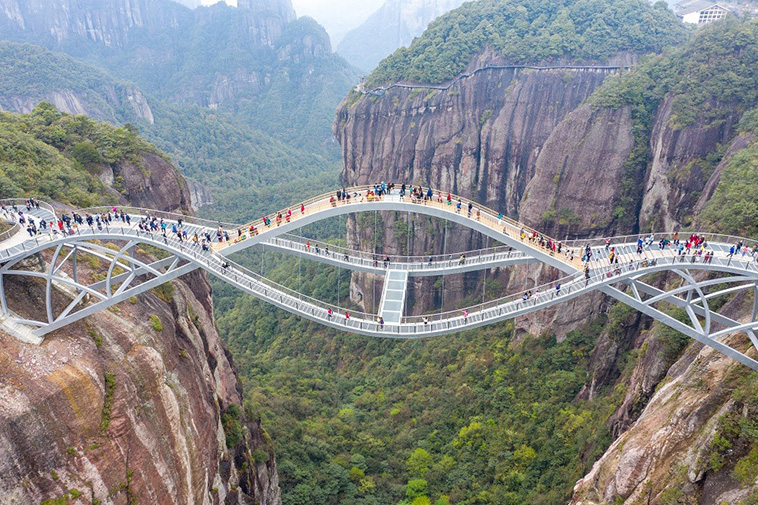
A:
[115,104]
[577,178]
[481,138]
[140,403]
[665,454]
[119,410]
[152,183]
[675,173]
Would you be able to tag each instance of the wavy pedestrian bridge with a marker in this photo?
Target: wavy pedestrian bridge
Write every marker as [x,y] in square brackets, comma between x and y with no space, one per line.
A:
[716,280]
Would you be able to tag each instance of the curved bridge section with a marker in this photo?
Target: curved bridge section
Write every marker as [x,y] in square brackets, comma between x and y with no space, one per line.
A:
[711,274]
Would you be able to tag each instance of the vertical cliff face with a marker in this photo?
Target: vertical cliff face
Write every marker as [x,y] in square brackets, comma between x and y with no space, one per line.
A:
[166,47]
[116,99]
[480,138]
[487,138]
[117,23]
[140,403]
[109,23]
[676,174]
[577,175]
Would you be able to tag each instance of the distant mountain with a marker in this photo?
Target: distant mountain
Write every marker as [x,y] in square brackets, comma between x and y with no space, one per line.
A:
[218,152]
[257,61]
[31,74]
[394,25]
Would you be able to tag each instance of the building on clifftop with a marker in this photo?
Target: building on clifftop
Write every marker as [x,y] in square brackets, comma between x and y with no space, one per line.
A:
[700,12]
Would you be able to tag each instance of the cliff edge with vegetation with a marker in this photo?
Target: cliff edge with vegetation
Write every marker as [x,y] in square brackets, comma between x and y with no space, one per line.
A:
[140,403]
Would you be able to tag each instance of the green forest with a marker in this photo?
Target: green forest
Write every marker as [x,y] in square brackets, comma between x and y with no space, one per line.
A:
[465,419]
[532,31]
[490,416]
[57,157]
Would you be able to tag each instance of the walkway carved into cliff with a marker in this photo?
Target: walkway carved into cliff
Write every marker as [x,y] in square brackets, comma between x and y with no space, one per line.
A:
[381,90]
[712,277]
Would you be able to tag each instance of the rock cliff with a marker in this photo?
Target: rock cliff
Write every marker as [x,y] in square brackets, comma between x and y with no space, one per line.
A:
[116,99]
[488,137]
[164,46]
[32,74]
[137,404]
[667,454]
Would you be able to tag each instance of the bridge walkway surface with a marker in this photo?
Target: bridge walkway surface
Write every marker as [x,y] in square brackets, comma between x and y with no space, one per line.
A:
[393,296]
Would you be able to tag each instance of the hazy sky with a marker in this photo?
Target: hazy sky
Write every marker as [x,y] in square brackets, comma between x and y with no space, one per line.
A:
[337,16]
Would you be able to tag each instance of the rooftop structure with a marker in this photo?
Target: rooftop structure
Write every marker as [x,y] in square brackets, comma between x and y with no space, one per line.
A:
[700,12]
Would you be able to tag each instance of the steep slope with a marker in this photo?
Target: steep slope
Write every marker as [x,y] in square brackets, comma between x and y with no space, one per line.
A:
[394,25]
[30,75]
[137,404]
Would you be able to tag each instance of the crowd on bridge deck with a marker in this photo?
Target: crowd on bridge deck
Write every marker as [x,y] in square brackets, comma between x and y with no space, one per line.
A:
[696,247]
[14,214]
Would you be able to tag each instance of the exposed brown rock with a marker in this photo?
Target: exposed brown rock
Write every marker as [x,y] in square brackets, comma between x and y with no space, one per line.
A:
[577,178]
[668,445]
[674,177]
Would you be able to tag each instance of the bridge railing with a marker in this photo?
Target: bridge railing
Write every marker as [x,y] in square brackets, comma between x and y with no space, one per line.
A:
[569,284]
[21,202]
[494,309]
[300,243]
[168,216]
[10,232]
[544,292]
[710,238]
[322,200]
[486,212]
[9,203]
[235,268]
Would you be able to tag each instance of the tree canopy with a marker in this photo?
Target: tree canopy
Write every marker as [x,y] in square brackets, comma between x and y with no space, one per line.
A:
[531,31]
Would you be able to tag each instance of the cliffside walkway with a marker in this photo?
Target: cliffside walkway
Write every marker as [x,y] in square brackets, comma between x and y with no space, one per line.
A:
[381,90]
[732,278]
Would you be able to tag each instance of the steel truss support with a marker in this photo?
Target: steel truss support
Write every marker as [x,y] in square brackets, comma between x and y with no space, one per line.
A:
[115,288]
[696,305]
